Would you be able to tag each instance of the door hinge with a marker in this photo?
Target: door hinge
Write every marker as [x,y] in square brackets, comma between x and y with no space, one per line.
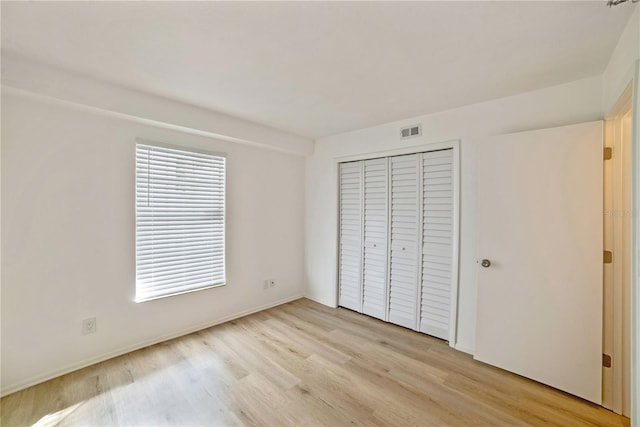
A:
[607,257]
[608,153]
[606,360]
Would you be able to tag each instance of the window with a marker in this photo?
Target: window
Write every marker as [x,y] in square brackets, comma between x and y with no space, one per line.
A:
[180,221]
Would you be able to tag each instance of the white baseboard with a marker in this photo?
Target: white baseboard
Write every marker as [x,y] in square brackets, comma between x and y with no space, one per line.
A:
[463,349]
[91,361]
[320,302]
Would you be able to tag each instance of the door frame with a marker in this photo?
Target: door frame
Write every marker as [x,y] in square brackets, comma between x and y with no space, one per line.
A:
[635,247]
[617,275]
[455,266]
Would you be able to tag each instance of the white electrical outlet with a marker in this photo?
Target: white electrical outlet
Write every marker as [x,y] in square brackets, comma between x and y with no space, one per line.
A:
[89,326]
[265,284]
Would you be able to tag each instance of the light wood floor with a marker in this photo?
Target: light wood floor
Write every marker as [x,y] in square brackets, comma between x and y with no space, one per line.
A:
[299,364]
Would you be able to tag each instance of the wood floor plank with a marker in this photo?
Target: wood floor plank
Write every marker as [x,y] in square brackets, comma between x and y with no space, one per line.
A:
[299,364]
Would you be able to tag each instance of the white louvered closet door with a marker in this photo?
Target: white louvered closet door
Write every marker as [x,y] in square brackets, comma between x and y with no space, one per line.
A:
[437,237]
[374,295]
[351,235]
[405,240]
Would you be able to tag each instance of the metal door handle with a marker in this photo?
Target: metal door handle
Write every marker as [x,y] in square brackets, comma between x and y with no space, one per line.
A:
[485,263]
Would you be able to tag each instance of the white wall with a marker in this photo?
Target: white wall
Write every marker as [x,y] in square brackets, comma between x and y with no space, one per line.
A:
[110,99]
[574,102]
[620,70]
[68,238]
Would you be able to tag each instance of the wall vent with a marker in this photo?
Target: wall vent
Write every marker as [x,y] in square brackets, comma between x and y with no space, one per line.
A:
[410,131]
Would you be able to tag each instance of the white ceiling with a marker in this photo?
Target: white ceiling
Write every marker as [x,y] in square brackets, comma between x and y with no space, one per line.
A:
[320,68]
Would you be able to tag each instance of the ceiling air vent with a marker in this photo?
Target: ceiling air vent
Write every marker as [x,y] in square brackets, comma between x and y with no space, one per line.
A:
[410,131]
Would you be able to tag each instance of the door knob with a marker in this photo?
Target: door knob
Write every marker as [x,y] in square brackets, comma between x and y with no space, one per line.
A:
[485,263]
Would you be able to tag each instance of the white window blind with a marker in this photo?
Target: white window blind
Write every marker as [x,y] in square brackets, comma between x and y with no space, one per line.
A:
[180,221]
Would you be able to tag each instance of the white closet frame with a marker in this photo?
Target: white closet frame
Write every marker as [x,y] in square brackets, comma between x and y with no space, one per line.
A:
[455,256]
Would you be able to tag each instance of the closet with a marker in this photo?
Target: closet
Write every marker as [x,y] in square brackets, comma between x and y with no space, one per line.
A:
[396,247]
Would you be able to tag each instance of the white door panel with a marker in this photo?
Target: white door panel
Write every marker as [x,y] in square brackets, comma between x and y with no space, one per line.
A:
[375,237]
[405,241]
[540,224]
[350,256]
[437,250]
